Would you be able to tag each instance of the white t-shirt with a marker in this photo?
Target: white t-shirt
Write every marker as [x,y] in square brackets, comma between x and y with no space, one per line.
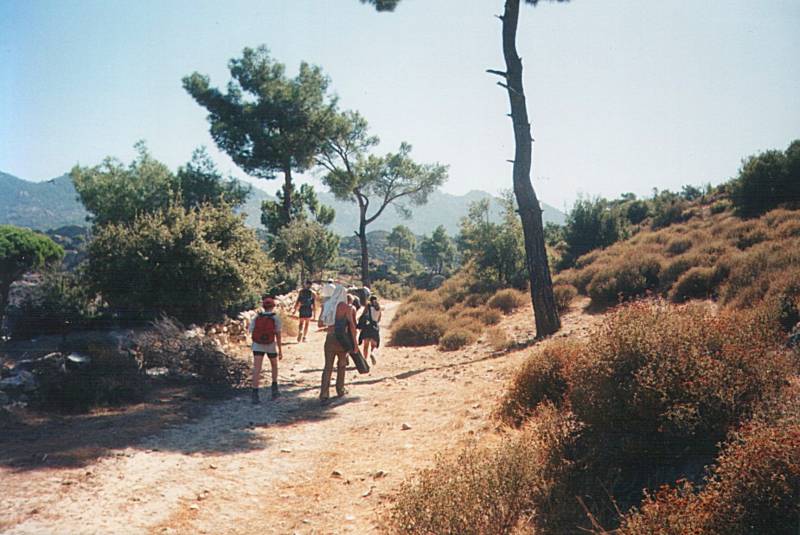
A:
[266,348]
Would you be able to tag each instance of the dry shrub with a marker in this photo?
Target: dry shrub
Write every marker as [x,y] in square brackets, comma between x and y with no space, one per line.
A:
[628,278]
[114,376]
[678,246]
[752,273]
[456,338]
[168,345]
[542,378]
[697,283]
[747,233]
[507,300]
[420,302]
[491,490]
[454,290]
[498,339]
[288,324]
[419,329]
[564,294]
[779,216]
[789,228]
[754,488]
[487,316]
[783,298]
[676,379]
[467,323]
[587,259]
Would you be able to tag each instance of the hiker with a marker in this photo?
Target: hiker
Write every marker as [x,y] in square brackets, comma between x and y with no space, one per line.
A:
[370,336]
[326,292]
[265,329]
[338,318]
[307,304]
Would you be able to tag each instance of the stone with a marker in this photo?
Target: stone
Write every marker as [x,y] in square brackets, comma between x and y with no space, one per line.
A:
[405,427]
[23,381]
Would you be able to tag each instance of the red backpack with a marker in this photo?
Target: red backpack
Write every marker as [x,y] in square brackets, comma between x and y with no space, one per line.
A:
[264,331]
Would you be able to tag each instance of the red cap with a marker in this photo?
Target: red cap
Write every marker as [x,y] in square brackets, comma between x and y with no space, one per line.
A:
[268,302]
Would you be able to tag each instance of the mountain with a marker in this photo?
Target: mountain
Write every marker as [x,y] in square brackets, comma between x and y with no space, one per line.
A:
[39,205]
[442,209]
[52,204]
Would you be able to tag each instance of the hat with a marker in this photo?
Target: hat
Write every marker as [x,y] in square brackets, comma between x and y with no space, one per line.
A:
[330,281]
[268,302]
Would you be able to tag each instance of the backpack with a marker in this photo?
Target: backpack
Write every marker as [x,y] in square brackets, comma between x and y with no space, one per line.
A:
[365,320]
[264,330]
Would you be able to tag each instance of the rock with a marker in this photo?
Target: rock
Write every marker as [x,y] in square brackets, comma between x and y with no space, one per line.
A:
[194,507]
[379,474]
[405,427]
[349,518]
[336,473]
[23,381]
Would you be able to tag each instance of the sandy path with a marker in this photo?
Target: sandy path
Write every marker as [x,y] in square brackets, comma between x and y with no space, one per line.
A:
[289,466]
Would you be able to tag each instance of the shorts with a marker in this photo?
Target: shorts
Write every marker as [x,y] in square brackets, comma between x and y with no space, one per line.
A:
[305,313]
[261,354]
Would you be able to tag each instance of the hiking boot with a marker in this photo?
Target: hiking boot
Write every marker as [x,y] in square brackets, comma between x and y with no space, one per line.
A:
[275,392]
[256,400]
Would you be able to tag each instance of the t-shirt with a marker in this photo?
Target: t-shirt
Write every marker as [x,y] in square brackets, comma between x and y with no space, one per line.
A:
[375,314]
[266,348]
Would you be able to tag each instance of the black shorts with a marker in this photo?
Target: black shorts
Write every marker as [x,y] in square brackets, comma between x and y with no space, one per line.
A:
[261,354]
[306,314]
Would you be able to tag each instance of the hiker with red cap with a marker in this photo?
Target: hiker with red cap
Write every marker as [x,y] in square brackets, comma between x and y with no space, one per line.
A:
[265,330]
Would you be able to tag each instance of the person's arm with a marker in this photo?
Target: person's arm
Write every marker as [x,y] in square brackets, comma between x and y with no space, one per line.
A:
[313,304]
[296,305]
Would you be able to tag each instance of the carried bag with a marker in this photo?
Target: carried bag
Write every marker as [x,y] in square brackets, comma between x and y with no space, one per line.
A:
[360,362]
[264,330]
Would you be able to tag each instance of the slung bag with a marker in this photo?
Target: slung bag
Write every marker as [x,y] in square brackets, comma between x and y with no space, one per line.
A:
[360,362]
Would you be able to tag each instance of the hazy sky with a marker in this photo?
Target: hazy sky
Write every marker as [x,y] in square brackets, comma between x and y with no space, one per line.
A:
[624,95]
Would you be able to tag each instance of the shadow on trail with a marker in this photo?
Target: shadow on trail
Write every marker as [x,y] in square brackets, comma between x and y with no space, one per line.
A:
[172,421]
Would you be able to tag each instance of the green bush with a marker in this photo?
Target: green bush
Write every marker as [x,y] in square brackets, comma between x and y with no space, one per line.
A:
[60,303]
[456,338]
[419,329]
[390,290]
[564,294]
[507,300]
[720,206]
[191,264]
[697,283]
[768,180]
[591,224]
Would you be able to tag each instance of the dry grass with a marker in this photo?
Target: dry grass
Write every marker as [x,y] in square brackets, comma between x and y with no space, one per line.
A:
[419,329]
[498,339]
[457,338]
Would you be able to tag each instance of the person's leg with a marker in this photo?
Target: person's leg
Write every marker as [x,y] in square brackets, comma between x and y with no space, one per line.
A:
[324,392]
[365,347]
[300,329]
[256,378]
[305,329]
[273,362]
[341,371]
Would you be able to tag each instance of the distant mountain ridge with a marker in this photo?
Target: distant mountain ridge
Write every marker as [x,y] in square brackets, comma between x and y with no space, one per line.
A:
[54,203]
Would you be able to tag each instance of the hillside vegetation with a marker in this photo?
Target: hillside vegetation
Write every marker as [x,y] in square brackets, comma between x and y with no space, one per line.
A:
[679,414]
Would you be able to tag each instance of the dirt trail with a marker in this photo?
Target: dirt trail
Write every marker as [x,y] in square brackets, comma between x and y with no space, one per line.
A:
[288,466]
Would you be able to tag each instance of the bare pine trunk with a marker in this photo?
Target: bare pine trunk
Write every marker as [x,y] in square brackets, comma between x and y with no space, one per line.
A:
[362,238]
[547,321]
[287,194]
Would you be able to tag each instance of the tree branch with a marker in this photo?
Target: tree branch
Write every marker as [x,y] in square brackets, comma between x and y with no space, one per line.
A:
[498,73]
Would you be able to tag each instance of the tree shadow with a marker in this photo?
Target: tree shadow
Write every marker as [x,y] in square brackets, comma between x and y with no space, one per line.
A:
[173,419]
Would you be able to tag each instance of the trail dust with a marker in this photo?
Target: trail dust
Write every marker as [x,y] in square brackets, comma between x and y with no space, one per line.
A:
[285,466]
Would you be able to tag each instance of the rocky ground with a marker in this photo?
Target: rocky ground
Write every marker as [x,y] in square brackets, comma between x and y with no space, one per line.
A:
[182,465]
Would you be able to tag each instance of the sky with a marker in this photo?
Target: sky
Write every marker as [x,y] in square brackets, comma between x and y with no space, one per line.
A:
[624,95]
